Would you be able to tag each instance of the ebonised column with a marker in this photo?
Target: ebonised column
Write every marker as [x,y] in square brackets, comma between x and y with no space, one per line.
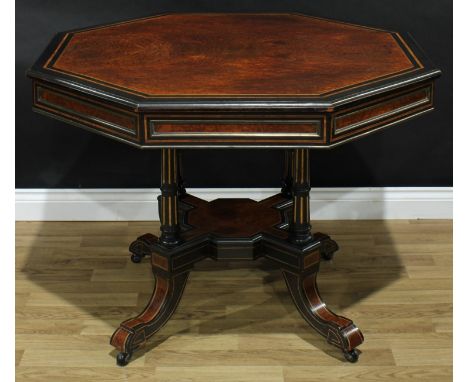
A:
[300,225]
[168,201]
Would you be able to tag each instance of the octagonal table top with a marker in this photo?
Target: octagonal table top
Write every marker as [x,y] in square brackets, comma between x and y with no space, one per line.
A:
[229,63]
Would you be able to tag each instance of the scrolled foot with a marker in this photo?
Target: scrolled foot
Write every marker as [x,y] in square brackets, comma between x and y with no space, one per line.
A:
[133,333]
[351,356]
[123,358]
[141,247]
[339,331]
[328,249]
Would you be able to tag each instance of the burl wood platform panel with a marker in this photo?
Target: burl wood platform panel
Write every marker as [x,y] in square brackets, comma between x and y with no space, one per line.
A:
[235,322]
[231,55]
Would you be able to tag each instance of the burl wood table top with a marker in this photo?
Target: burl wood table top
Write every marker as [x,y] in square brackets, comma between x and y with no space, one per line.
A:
[232,80]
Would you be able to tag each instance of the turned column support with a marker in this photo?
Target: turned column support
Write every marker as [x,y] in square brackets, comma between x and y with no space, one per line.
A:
[168,201]
[300,229]
[168,204]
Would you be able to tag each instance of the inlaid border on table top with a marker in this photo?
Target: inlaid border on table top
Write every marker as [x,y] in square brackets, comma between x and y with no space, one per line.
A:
[421,70]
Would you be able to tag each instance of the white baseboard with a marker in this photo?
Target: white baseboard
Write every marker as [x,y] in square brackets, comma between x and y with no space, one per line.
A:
[141,204]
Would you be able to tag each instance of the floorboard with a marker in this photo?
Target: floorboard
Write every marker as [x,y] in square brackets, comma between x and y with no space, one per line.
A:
[236,322]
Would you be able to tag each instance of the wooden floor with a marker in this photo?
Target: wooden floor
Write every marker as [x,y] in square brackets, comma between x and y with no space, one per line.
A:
[236,322]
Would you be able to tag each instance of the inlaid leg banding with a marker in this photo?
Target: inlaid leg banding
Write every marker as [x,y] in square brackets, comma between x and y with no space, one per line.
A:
[168,287]
[339,331]
[301,283]
[134,332]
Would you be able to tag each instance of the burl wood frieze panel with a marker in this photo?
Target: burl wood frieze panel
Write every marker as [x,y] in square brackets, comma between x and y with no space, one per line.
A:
[378,113]
[86,112]
[260,131]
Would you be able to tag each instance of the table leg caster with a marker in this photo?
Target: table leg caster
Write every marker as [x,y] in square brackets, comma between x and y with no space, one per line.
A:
[133,333]
[141,247]
[338,330]
[136,258]
[351,356]
[123,358]
[328,249]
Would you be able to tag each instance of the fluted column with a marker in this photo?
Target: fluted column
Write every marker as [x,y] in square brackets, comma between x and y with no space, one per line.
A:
[168,201]
[300,224]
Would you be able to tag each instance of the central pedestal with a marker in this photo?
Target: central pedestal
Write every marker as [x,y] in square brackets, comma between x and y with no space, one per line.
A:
[193,229]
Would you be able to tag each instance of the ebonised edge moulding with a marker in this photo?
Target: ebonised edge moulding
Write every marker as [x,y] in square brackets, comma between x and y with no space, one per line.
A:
[249,80]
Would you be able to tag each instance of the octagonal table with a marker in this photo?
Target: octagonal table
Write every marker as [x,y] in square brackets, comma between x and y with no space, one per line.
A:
[233,81]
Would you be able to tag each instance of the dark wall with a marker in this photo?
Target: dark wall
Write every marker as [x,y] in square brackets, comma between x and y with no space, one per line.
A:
[51,154]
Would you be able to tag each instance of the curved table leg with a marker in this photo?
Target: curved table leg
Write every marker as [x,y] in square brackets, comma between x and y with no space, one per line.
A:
[134,332]
[339,331]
